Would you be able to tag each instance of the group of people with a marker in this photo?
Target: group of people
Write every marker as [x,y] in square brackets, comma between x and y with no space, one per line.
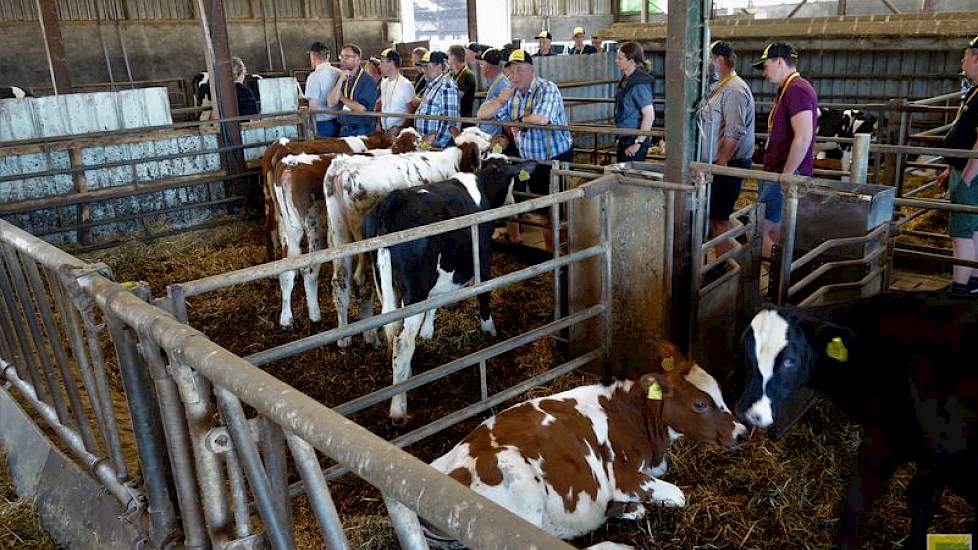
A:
[514,92]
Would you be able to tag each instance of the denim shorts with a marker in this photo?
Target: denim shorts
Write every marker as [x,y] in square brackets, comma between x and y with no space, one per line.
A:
[769,192]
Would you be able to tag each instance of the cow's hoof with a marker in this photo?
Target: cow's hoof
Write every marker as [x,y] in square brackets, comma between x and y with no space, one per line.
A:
[371,339]
[400,421]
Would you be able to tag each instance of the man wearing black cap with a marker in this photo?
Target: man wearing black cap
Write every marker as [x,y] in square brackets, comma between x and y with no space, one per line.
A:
[791,128]
[962,178]
[728,120]
[492,72]
[396,91]
[473,52]
[440,98]
[318,84]
[545,42]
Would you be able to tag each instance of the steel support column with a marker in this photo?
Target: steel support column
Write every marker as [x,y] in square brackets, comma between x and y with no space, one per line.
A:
[223,94]
[336,10]
[684,63]
[47,15]
[471,15]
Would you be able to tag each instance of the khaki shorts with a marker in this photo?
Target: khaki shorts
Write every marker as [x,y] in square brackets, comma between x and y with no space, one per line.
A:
[963,226]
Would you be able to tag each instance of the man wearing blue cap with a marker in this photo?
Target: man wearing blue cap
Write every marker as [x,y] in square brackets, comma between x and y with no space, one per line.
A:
[962,178]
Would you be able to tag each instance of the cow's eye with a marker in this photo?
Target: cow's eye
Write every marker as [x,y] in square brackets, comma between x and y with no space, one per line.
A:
[700,405]
[788,363]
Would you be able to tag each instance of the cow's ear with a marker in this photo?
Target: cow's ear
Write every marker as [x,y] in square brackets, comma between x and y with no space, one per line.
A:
[454,131]
[656,385]
[832,341]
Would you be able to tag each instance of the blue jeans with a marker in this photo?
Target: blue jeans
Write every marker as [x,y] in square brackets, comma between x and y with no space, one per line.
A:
[769,192]
[327,128]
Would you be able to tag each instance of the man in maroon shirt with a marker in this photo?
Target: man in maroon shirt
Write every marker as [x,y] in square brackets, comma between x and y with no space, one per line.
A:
[791,131]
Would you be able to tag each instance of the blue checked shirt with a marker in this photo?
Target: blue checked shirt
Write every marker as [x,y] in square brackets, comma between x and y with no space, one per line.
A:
[440,98]
[499,84]
[542,98]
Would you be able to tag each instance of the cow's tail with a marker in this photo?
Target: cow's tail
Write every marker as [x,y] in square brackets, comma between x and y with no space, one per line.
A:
[383,268]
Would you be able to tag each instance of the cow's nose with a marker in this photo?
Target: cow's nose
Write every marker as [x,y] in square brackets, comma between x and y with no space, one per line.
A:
[754,418]
[741,437]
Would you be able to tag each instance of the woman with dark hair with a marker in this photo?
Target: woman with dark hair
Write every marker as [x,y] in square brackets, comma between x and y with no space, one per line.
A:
[633,102]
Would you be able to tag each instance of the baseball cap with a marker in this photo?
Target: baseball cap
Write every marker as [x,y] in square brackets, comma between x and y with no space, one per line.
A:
[973,43]
[476,47]
[319,47]
[545,34]
[390,54]
[434,57]
[720,47]
[492,56]
[775,50]
[578,30]
[519,56]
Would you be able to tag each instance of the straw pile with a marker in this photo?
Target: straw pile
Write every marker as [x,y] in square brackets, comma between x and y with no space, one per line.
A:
[767,495]
[20,525]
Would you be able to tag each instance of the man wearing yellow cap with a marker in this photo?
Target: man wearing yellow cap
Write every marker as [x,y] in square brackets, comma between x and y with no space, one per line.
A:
[580,48]
[962,178]
[544,43]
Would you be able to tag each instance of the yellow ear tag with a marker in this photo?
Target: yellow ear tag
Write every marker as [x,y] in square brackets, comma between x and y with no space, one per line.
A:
[425,146]
[129,285]
[837,350]
[524,175]
[497,149]
[668,364]
[655,392]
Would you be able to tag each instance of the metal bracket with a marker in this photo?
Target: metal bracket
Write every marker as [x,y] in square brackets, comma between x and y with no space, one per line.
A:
[218,440]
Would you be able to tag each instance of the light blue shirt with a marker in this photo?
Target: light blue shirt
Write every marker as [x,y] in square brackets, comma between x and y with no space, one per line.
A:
[319,83]
[496,86]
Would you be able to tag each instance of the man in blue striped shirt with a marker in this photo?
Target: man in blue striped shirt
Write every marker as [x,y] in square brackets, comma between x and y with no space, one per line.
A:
[492,72]
[440,98]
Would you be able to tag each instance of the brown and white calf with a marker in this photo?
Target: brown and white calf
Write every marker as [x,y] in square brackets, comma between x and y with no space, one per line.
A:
[354,185]
[377,143]
[568,462]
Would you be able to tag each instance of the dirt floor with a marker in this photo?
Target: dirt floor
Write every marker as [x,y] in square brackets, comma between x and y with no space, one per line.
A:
[782,494]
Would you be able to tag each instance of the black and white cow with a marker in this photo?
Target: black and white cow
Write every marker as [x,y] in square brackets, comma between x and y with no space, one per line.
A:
[902,365]
[434,265]
[843,124]
[13,92]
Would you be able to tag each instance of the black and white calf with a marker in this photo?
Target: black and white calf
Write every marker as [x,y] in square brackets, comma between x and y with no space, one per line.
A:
[902,365]
[843,124]
[430,266]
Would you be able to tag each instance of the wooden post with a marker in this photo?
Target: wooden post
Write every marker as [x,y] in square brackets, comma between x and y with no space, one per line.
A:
[841,8]
[47,15]
[684,57]
[80,182]
[336,11]
[471,15]
[223,95]
[644,11]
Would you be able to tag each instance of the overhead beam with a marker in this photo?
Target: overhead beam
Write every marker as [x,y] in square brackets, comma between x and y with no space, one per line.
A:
[336,9]
[472,17]
[224,98]
[684,67]
[47,15]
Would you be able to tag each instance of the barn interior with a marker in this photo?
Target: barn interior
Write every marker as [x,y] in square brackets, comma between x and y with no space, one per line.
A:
[141,350]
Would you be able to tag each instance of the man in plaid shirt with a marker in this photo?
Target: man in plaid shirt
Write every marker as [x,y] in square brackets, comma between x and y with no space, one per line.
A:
[439,98]
[535,101]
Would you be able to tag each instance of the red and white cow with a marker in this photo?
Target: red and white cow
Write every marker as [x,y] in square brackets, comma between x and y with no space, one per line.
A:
[568,462]
[354,185]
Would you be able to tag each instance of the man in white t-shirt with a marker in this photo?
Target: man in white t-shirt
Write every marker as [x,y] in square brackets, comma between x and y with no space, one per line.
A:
[319,82]
[396,91]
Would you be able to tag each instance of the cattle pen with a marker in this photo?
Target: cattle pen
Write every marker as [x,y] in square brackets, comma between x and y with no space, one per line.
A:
[151,400]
